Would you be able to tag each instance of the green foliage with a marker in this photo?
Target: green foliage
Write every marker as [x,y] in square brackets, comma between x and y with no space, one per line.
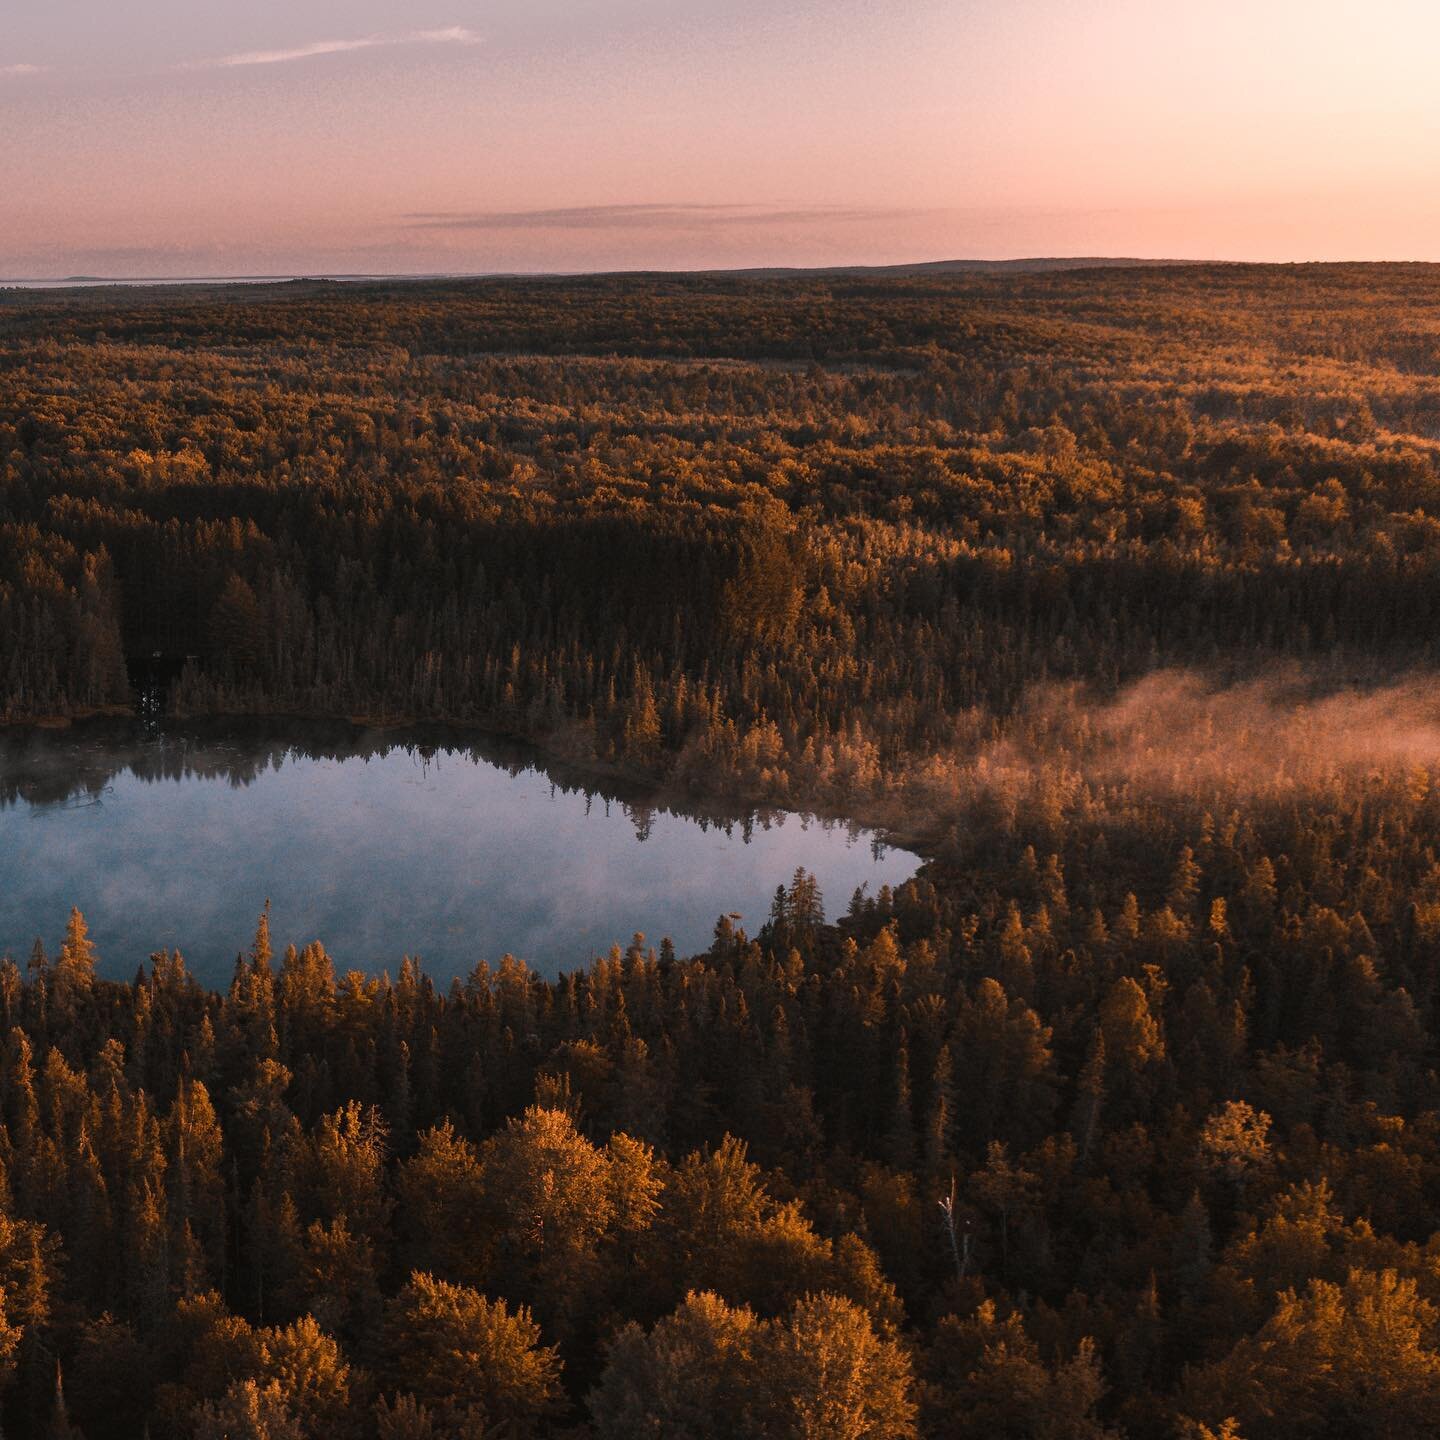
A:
[450,1346]
[710,1372]
[1360,1358]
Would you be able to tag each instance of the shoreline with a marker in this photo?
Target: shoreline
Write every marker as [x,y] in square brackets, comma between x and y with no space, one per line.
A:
[923,842]
[55,721]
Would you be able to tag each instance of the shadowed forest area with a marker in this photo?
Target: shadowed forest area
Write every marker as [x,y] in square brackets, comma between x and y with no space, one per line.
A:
[1114,588]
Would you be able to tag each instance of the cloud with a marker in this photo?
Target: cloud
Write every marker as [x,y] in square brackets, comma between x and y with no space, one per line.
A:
[23,69]
[640,217]
[450,35]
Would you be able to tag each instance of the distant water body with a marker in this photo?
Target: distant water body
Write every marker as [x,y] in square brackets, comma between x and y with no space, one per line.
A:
[100,282]
[377,845]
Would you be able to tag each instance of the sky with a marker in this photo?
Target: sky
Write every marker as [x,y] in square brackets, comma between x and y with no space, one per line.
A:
[195,137]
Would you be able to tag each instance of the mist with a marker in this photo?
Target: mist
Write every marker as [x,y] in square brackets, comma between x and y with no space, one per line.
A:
[1182,737]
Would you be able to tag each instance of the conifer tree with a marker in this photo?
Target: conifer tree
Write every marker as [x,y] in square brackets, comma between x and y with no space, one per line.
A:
[74,973]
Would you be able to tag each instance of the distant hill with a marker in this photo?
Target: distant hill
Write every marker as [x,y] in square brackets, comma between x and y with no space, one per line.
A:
[1034,266]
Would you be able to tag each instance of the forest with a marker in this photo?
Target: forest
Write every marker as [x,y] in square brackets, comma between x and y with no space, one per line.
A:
[1113,590]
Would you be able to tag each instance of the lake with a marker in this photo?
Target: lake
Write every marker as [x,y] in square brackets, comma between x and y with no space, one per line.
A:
[377,844]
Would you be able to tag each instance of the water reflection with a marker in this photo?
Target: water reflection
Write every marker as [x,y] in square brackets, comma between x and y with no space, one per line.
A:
[378,843]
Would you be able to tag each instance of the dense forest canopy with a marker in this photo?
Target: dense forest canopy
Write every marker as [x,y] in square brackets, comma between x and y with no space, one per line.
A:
[1121,1119]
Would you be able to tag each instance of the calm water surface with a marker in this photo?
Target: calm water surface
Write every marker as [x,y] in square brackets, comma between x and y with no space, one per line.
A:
[377,846]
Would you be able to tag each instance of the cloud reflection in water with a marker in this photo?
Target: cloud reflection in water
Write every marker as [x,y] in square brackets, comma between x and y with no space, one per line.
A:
[375,846]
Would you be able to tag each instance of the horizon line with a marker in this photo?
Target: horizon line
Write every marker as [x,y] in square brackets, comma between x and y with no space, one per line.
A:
[957,264]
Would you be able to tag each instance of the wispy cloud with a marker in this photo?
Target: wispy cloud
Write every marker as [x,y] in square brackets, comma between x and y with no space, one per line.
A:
[23,69]
[639,217]
[451,35]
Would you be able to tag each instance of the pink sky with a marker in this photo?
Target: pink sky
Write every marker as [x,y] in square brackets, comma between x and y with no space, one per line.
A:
[169,137]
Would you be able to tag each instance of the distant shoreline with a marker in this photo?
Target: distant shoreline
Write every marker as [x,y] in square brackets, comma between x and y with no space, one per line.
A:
[921,269]
[1019,266]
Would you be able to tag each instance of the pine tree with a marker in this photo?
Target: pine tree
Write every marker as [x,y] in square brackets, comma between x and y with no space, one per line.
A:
[74,974]
[901,1140]
[1089,1096]
[940,1119]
